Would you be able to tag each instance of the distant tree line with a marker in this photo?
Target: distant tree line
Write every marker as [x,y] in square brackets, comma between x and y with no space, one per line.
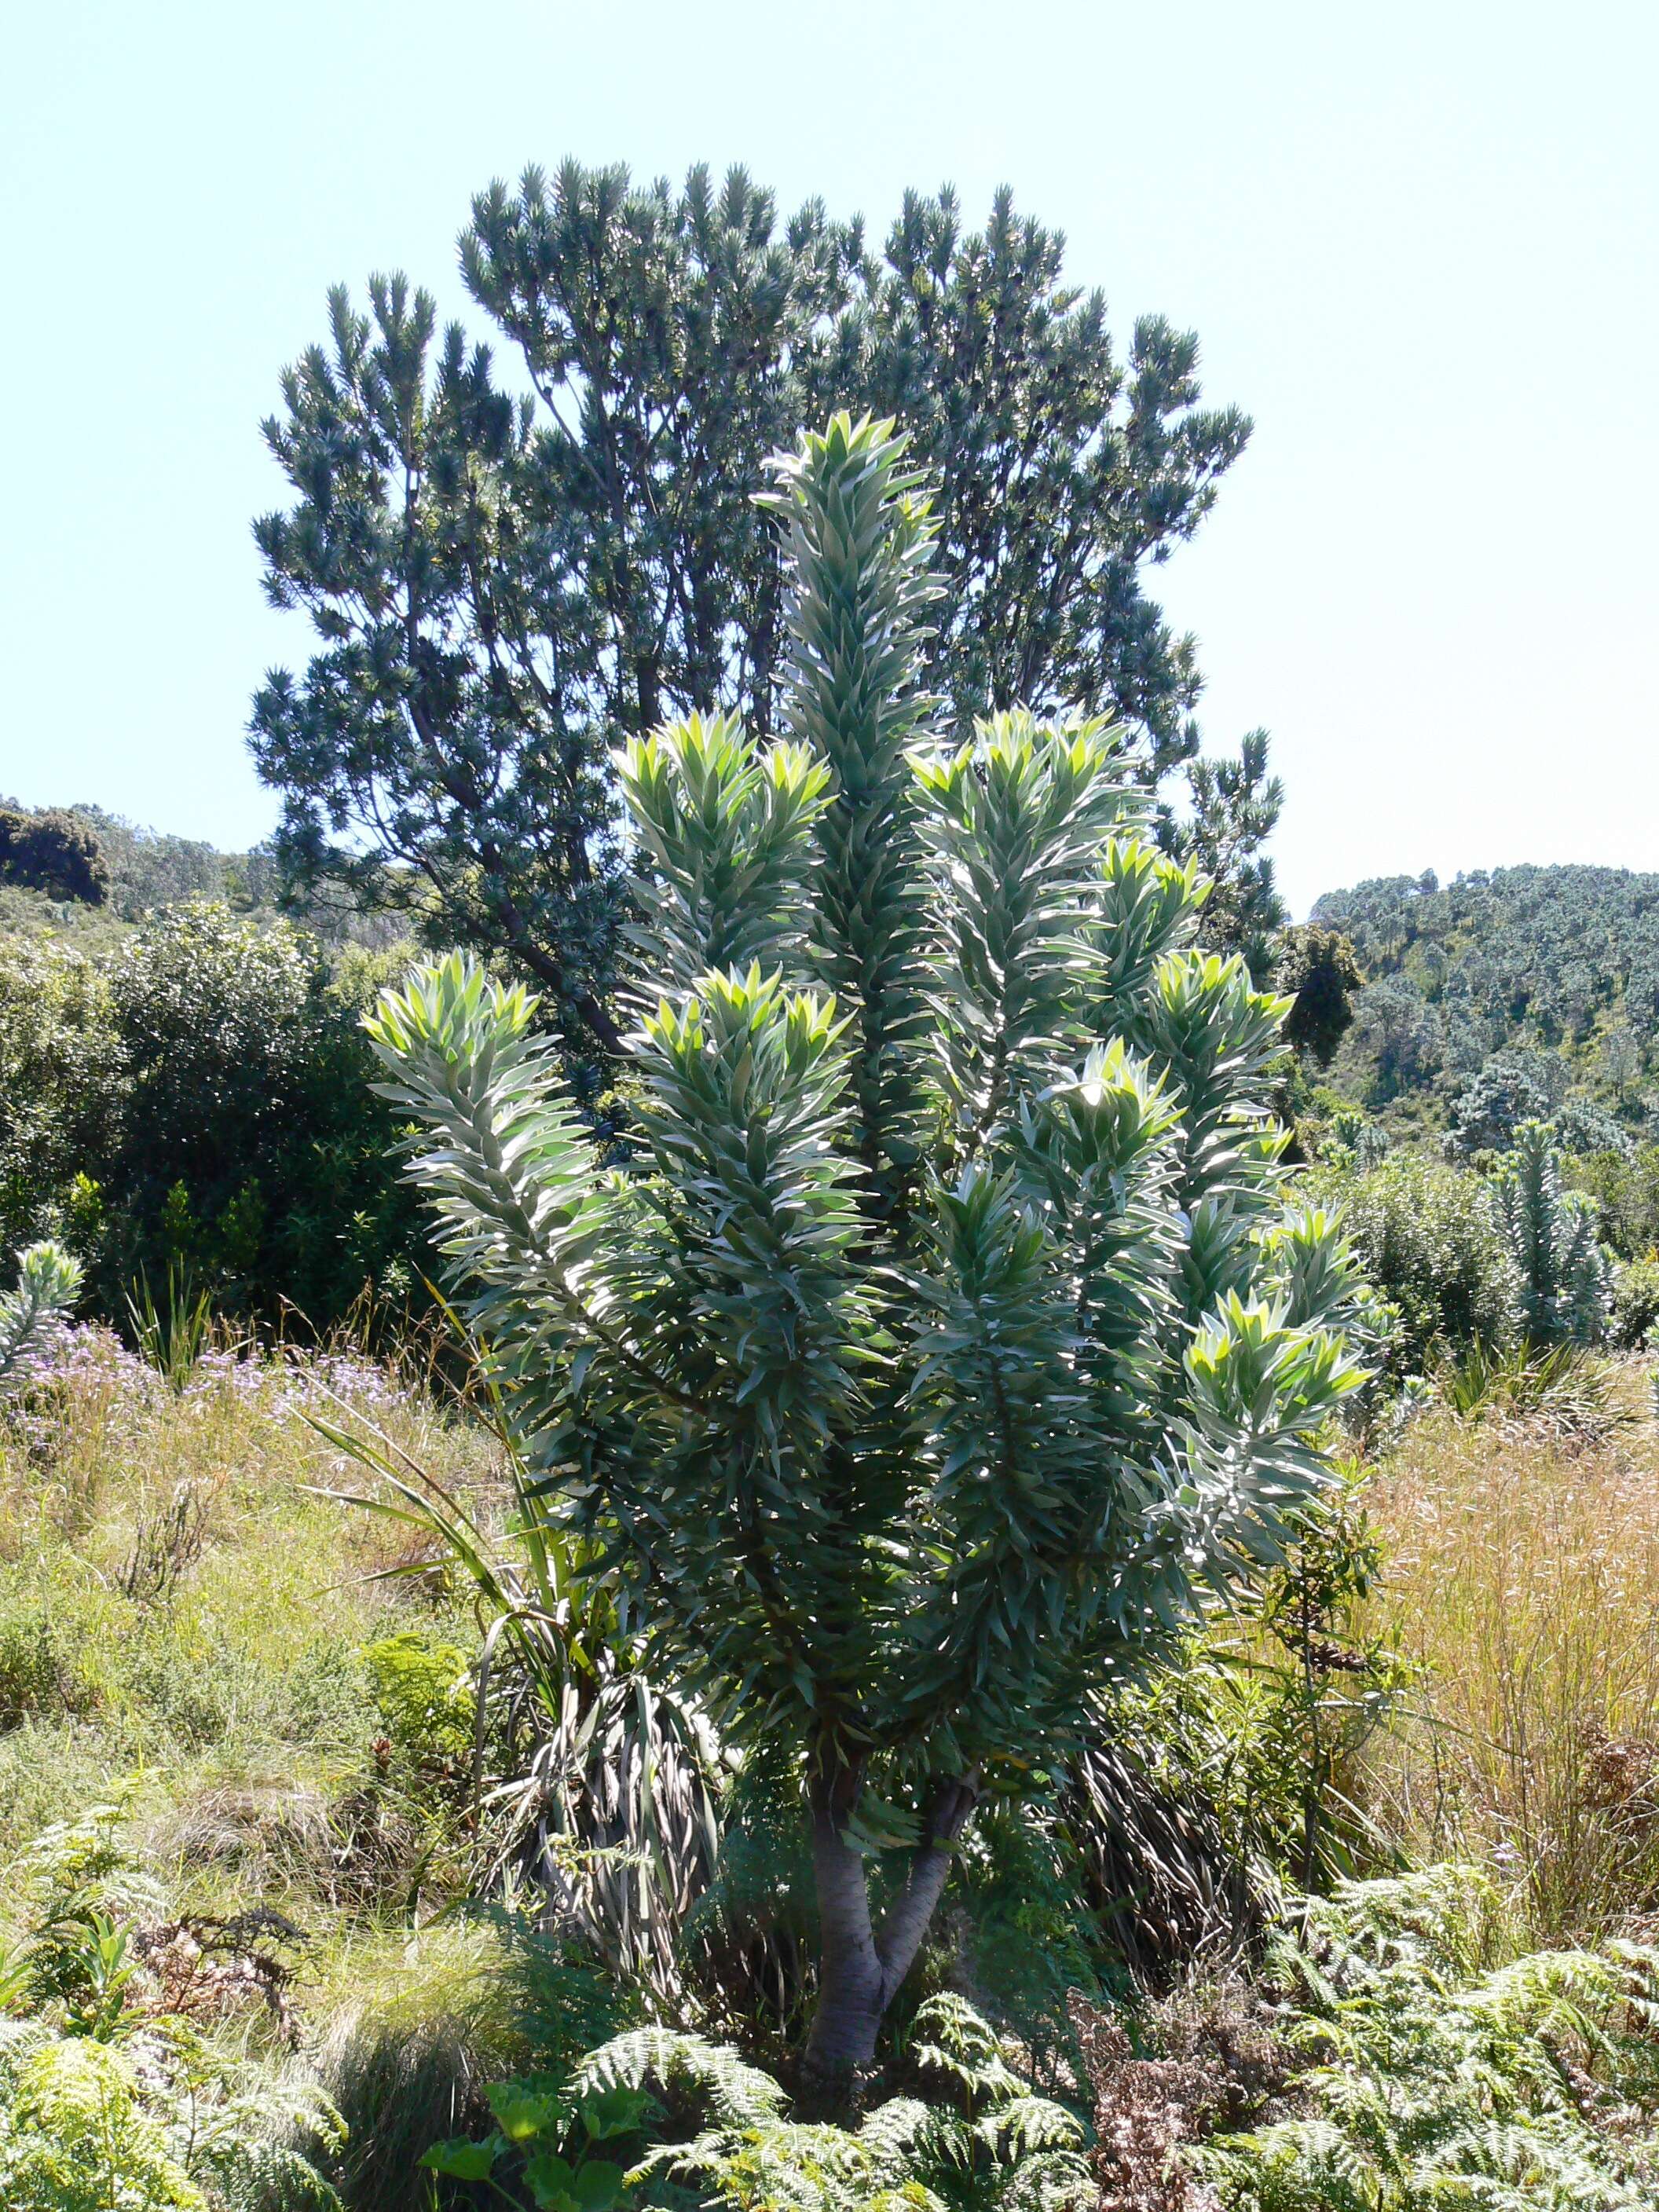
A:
[1521,993]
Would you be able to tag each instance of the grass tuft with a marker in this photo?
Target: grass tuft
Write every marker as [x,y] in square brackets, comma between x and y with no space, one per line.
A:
[1523,1577]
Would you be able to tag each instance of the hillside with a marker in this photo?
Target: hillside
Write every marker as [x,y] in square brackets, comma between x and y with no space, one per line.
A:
[1555,970]
[150,870]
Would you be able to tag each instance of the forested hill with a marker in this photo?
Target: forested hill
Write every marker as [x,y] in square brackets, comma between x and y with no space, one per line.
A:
[1560,964]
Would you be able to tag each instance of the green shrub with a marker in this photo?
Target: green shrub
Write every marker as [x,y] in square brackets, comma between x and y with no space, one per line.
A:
[1426,1238]
[61,1083]
[1635,1305]
[198,1101]
[249,1115]
[1626,1188]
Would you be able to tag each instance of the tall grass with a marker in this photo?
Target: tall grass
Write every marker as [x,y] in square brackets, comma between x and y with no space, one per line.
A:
[174,1596]
[178,1600]
[1523,1577]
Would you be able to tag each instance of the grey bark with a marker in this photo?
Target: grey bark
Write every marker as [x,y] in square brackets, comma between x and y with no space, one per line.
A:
[861,1965]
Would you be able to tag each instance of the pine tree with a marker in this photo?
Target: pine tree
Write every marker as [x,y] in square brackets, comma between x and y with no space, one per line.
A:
[503,591]
[948,1336]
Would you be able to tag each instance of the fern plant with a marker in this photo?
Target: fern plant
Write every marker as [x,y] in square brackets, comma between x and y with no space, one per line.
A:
[48,1284]
[1440,2079]
[108,2104]
[1553,1238]
[947,1337]
[155,2121]
[978,2139]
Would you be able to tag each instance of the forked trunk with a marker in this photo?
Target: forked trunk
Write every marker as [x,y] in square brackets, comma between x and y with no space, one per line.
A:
[860,1965]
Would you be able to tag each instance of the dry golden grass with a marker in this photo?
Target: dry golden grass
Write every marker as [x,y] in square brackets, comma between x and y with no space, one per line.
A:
[1523,1577]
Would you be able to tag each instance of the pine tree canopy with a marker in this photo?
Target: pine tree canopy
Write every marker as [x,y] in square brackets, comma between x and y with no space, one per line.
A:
[948,1335]
[512,572]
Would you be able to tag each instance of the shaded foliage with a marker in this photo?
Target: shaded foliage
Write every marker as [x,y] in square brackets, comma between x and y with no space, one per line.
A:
[1317,971]
[53,852]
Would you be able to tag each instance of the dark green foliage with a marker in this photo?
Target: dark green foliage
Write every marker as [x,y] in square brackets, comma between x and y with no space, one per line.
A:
[1428,1242]
[1399,1033]
[39,1676]
[1518,1084]
[1546,949]
[195,1105]
[60,1084]
[505,590]
[55,853]
[1529,993]
[1030,1939]
[247,1093]
[751,1940]
[1317,971]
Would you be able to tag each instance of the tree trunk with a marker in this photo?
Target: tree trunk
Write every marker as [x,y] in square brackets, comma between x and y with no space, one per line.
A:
[860,1966]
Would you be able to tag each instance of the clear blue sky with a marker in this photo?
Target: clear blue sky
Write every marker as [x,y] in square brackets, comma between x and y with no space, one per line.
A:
[1417,243]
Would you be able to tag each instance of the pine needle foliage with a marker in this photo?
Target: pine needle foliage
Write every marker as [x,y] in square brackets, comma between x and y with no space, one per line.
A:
[507,574]
[949,1337]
